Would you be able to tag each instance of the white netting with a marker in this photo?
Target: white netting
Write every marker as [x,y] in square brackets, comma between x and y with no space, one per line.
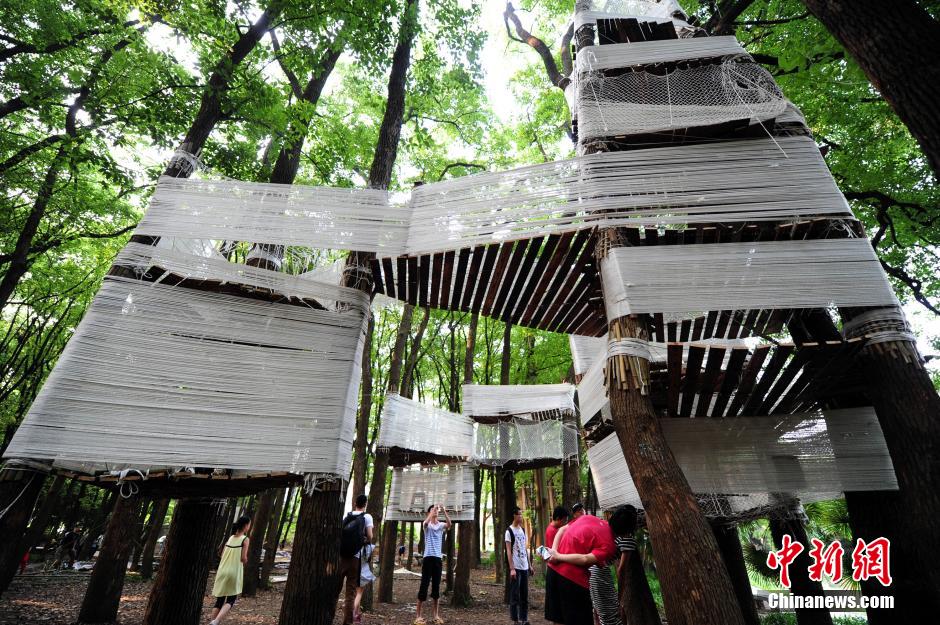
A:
[522,440]
[806,455]
[517,400]
[642,102]
[415,488]
[163,376]
[419,427]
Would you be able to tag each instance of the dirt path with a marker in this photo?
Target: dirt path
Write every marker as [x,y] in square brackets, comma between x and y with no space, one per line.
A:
[44,599]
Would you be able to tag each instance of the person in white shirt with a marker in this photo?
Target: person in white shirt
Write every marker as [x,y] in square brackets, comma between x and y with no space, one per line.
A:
[518,561]
[432,563]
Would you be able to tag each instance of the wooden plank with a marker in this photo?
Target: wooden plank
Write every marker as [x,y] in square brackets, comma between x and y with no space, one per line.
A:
[660,330]
[684,330]
[831,361]
[448,276]
[730,379]
[749,323]
[671,334]
[697,327]
[777,361]
[529,293]
[486,274]
[664,30]
[436,274]
[502,263]
[463,259]
[693,367]
[555,312]
[633,30]
[574,308]
[674,367]
[710,320]
[512,311]
[511,276]
[721,330]
[734,324]
[716,356]
[546,275]
[413,280]
[471,284]
[402,274]
[424,270]
[389,274]
[746,383]
[794,367]
[376,268]
[574,246]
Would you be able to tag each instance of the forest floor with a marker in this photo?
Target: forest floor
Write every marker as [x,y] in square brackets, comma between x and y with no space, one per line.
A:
[38,598]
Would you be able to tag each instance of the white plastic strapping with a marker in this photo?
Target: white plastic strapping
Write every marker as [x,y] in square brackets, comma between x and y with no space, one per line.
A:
[517,400]
[419,427]
[614,56]
[415,488]
[804,454]
[161,376]
[734,181]
[757,275]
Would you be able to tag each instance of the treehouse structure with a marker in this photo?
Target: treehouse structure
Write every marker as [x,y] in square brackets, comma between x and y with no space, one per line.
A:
[692,248]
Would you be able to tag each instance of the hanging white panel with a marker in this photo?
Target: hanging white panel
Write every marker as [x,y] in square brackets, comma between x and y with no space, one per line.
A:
[521,440]
[415,488]
[415,426]
[803,454]
[585,351]
[162,376]
[279,214]
[519,400]
[763,275]
[617,55]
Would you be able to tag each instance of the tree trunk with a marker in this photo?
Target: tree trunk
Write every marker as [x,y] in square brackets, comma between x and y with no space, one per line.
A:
[177,594]
[462,597]
[507,492]
[411,545]
[450,552]
[103,595]
[139,535]
[898,51]
[154,529]
[210,107]
[800,583]
[271,538]
[313,584]
[41,519]
[730,546]
[365,412]
[259,527]
[571,472]
[477,522]
[18,496]
[388,547]
[637,606]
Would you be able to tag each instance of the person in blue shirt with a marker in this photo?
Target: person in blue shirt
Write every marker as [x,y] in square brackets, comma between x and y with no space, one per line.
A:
[432,562]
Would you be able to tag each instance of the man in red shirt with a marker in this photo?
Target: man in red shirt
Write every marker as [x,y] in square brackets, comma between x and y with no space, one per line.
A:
[585,541]
[553,597]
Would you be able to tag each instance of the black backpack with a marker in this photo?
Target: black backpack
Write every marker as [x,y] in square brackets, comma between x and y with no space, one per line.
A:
[354,535]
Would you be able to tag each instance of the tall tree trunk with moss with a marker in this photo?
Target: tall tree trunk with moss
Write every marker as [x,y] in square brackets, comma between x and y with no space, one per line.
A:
[103,594]
[695,584]
[461,596]
[800,582]
[18,493]
[177,594]
[154,528]
[897,47]
[310,597]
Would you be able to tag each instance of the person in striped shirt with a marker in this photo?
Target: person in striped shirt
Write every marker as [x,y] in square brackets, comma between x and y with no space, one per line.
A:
[604,594]
[431,562]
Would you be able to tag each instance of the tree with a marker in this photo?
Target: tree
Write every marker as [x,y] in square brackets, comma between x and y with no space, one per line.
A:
[902,68]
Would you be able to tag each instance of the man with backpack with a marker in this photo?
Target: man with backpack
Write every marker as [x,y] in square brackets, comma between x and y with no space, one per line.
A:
[517,557]
[357,533]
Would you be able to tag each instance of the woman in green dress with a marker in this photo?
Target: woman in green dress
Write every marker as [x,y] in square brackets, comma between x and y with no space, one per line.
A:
[228,577]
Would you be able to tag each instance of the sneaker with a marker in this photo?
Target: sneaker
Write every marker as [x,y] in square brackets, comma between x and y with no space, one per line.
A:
[420,621]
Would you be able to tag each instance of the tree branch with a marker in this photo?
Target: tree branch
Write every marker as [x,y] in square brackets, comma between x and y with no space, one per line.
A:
[450,166]
[45,246]
[912,283]
[722,20]
[291,76]
[523,36]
